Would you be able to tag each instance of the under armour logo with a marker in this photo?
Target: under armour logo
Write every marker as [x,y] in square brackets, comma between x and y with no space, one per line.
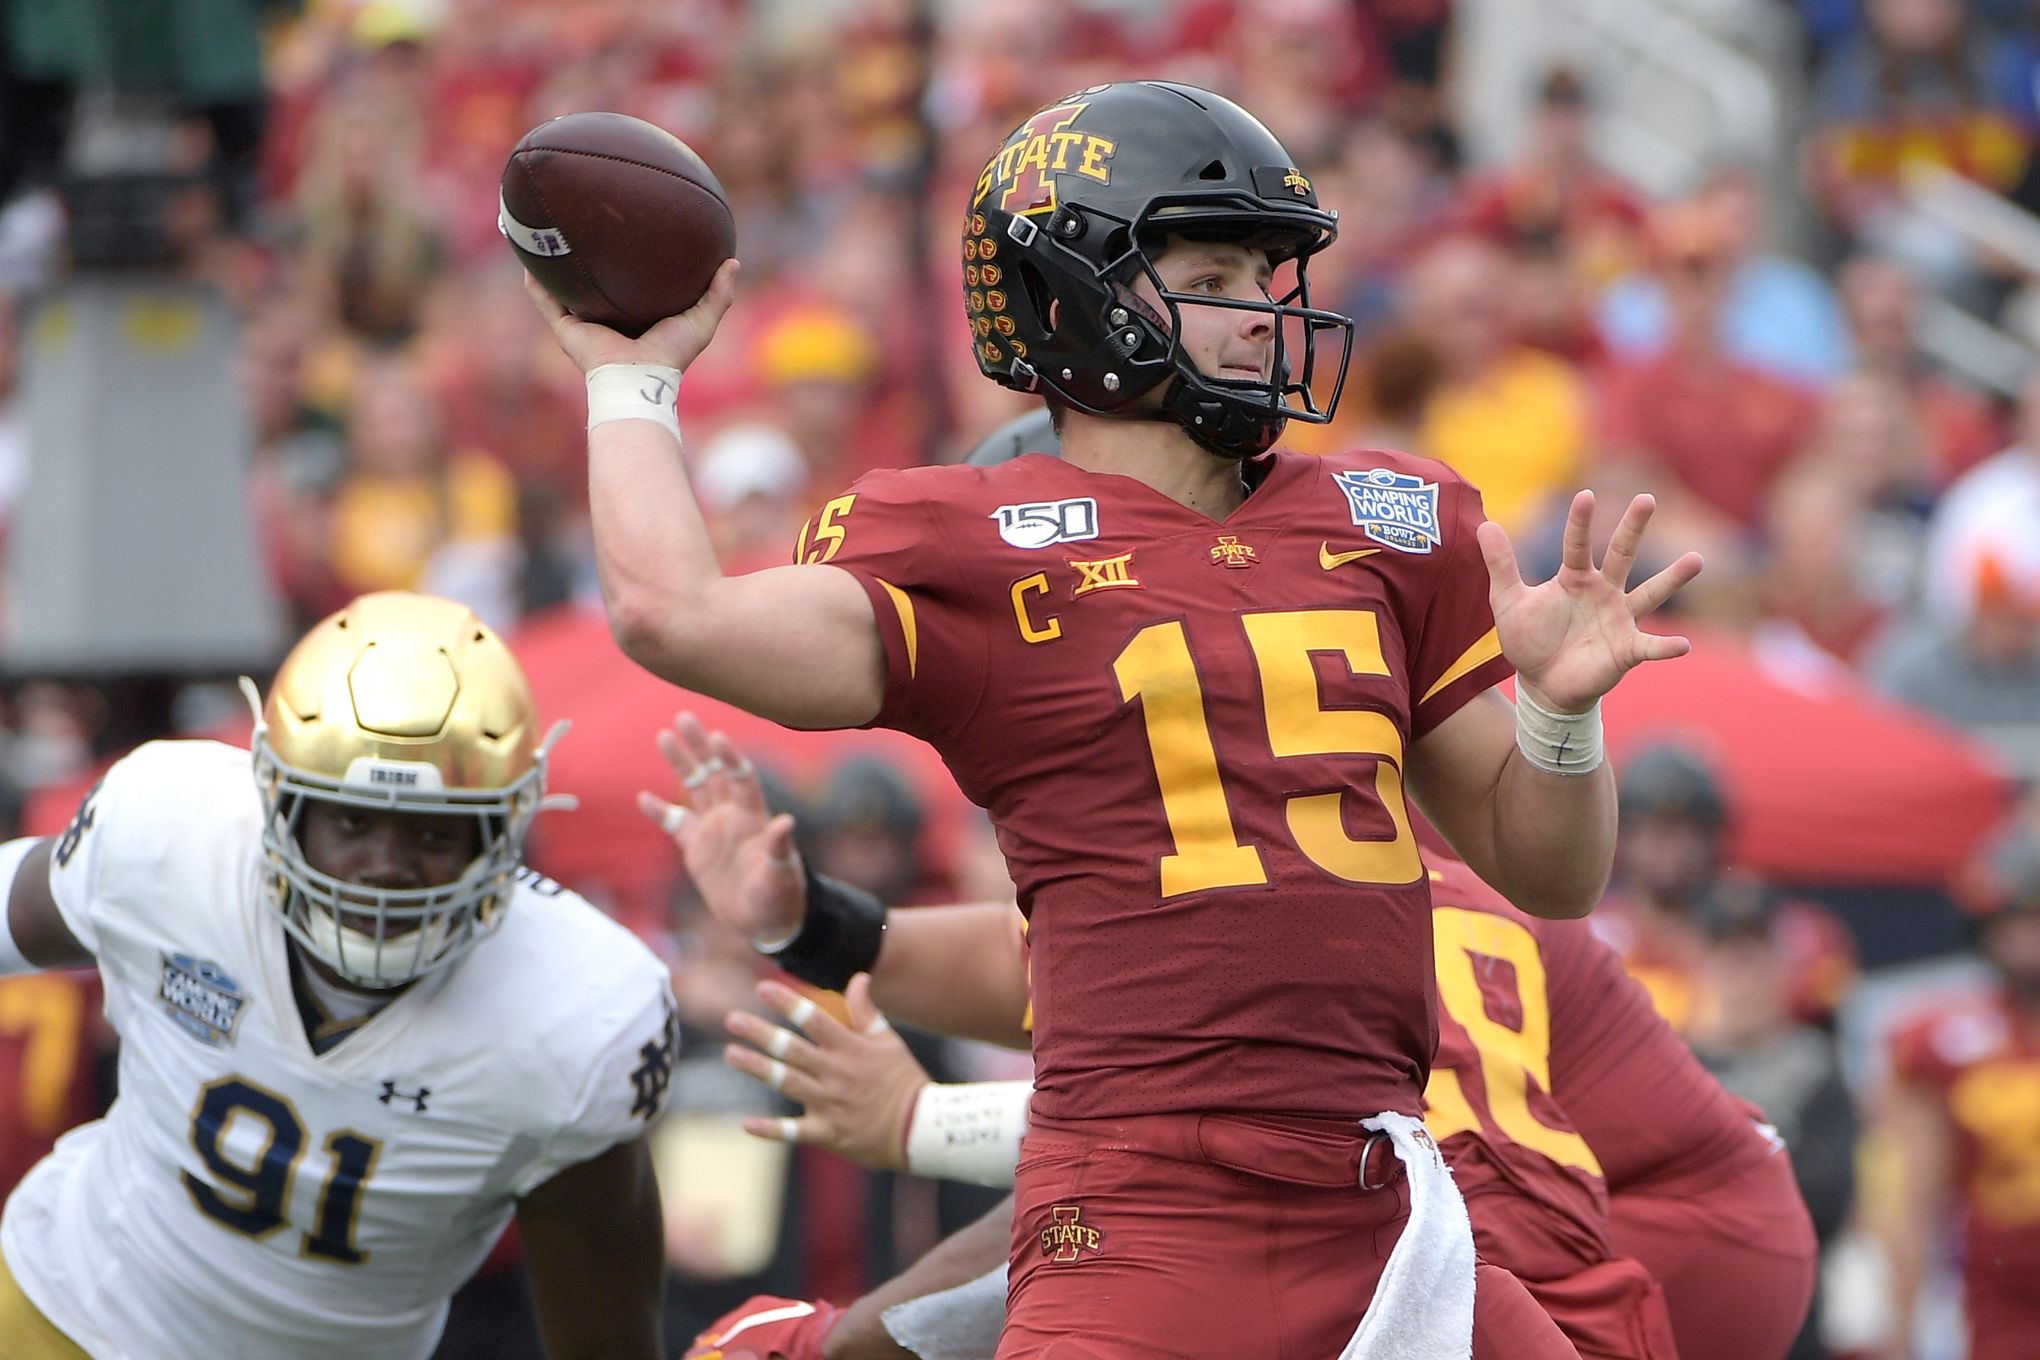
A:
[654,1072]
[659,393]
[417,1097]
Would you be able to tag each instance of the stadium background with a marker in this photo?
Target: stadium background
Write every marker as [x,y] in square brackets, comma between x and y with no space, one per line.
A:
[261,349]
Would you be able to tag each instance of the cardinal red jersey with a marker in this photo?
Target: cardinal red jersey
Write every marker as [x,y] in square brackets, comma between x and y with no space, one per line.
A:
[1982,1059]
[47,1057]
[1490,1098]
[1652,1114]
[1190,735]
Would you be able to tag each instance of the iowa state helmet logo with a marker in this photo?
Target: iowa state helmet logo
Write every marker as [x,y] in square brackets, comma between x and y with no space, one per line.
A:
[1048,144]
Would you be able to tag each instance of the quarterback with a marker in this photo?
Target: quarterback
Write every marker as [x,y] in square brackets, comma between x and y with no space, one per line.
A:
[1190,675]
[357,1034]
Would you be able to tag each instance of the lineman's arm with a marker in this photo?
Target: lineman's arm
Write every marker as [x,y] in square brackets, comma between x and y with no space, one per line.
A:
[961,1257]
[37,927]
[1912,1128]
[866,1099]
[956,970]
[595,1251]
[796,644]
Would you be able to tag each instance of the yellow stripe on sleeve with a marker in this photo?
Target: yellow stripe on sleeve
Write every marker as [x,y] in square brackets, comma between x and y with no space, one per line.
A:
[903,603]
[1473,658]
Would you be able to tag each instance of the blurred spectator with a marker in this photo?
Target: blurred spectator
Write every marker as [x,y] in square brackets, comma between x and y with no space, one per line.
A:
[1971,653]
[1399,375]
[865,828]
[1508,418]
[1714,429]
[409,513]
[1779,314]
[1869,436]
[818,366]
[1991,509]
[1814,583]
[752,484]
[371,239]
[298,458]
[1978,667]
[1961,1117]
[1388,191]
[1554,195]
[1924,83]
[1672,877]
[1882,302]
[1749,1038]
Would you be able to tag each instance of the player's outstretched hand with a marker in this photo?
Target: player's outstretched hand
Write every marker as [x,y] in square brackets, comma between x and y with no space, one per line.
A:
[675,342]
[1572,637]
[764,1327]
[739,855]
[857,1083]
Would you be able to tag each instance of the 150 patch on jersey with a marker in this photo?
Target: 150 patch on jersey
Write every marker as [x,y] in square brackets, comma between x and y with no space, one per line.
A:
[201,998]
[1396,509]
[1038,524]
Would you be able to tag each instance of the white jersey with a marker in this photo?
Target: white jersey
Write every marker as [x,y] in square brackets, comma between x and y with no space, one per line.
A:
[246,1198]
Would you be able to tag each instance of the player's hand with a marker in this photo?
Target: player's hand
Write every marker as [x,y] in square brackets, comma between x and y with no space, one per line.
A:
[1572,637]
[856,1083]
[739,855]
[767,1328]
[675,342]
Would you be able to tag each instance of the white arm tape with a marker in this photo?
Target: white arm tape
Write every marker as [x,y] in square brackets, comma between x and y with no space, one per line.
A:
[634,392]
[12,853]
[969,1131]
[1559,743]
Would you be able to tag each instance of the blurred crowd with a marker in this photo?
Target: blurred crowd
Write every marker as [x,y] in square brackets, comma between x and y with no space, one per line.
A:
[1752,354]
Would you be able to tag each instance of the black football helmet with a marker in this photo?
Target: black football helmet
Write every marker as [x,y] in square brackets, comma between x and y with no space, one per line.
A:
[1073,209]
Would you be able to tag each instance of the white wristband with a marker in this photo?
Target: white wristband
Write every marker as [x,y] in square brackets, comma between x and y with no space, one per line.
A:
[12,960]
[968,1132]
[634,392]
[1560,743]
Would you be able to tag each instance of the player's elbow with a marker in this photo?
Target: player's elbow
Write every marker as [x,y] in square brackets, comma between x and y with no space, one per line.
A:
[650,627]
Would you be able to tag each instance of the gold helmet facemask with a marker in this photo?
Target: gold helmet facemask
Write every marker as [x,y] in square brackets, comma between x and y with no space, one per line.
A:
[405,703]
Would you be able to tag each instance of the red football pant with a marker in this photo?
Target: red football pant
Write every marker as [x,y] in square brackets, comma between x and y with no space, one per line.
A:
[1195,1237]
[1608,1307]
[1736,1260]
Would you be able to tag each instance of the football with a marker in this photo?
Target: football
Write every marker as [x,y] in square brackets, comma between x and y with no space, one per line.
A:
[619,219]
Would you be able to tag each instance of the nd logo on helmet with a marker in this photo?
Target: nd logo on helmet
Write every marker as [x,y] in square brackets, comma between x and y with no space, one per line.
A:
[1045,145]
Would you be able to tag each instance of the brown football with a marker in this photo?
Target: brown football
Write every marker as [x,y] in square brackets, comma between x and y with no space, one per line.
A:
[617,218]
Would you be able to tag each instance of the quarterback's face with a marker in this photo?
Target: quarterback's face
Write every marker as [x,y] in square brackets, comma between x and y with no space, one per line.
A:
[387,849]
[1224,342]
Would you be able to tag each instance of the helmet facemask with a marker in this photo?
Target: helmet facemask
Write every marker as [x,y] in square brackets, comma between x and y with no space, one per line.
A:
[397,704]
[385,937]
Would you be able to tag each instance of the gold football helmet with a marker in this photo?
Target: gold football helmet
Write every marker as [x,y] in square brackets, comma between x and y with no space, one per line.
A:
[407,703]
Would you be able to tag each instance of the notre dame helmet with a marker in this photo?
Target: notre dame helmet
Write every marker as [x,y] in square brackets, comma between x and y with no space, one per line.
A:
[409,703]
[1073,209]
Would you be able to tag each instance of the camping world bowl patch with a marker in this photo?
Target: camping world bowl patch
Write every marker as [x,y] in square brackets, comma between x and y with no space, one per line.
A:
[1396,509]
[201,998]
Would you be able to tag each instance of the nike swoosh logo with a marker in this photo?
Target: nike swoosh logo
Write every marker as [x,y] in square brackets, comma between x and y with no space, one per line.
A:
[1328,559]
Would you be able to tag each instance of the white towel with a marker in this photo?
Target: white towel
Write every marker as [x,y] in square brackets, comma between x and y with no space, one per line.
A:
[956,1324]
[1423,1307]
